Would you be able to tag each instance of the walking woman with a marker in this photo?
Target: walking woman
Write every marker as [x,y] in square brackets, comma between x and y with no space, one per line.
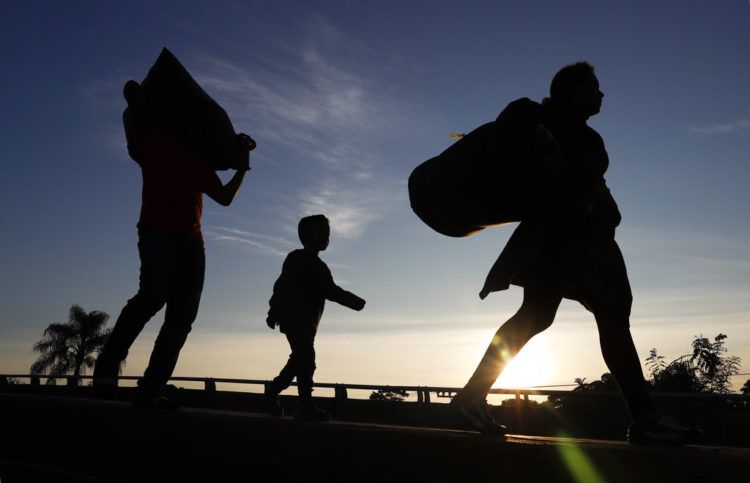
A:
[567,249]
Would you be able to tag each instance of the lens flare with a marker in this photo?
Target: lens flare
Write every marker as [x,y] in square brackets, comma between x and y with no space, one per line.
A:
[581,468]
[533,366]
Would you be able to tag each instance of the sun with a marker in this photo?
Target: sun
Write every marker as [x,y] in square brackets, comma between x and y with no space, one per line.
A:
[533,366]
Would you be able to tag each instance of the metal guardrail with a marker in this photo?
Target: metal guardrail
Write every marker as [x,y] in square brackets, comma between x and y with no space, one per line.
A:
[423,392]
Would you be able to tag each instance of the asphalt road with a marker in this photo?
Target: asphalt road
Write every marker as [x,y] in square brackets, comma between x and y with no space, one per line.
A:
[59,439]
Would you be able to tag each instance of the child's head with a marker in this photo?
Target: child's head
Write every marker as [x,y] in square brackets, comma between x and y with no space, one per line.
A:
[314,232]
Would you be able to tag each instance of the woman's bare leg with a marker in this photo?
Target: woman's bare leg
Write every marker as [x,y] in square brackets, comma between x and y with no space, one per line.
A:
[535,315]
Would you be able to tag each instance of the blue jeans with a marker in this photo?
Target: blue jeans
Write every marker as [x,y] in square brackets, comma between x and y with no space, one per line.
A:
[172,271]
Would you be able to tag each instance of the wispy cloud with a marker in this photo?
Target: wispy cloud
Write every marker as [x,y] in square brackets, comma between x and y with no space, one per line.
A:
[311,97]
[263,243]
[349,211]
[317,104]
[742,125]
[322,113]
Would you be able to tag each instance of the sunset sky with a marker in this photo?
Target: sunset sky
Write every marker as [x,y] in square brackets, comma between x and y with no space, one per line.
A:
[345,98]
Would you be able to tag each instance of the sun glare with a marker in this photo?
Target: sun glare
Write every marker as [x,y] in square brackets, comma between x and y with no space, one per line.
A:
[533,366]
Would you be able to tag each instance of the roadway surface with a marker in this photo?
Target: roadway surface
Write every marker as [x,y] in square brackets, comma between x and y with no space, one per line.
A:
[58,439]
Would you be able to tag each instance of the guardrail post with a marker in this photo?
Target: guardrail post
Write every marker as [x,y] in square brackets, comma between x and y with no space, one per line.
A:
[423,395]
[3,381]
[340,393]
[526,397]
[34,380]
[71,381]
[209,385]
[518,395]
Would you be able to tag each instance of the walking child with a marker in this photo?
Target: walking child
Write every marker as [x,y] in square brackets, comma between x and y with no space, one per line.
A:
[296,306]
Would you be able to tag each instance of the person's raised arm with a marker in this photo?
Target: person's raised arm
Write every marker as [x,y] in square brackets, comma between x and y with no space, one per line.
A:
[138,120]
[226,193]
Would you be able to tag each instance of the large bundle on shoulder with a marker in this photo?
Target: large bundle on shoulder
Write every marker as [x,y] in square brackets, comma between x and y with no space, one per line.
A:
[485,178]
[187,112]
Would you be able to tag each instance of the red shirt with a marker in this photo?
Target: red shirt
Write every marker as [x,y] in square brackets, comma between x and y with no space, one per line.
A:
[174,180]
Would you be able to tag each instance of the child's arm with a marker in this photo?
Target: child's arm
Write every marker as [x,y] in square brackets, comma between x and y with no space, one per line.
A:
[337,294]
[345,298]
[272,319]
[279,302]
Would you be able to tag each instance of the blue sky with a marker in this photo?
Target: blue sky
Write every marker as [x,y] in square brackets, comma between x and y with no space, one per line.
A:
[345,99]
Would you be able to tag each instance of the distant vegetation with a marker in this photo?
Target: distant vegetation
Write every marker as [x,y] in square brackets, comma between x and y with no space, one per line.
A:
[705,369]
[390,394]
[70,348]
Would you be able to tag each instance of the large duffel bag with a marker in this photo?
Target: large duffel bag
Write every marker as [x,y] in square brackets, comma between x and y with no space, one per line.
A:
[189,113]
[483,179]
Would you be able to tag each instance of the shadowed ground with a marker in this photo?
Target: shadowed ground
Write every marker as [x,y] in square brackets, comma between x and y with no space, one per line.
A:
[71,439]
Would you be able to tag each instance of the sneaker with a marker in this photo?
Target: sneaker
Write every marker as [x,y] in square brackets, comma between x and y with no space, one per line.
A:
[663,431]
[475,413]
[155,402]
[272,402]
[309,411]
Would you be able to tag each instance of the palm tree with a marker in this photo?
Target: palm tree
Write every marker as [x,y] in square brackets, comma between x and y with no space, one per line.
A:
[71,346]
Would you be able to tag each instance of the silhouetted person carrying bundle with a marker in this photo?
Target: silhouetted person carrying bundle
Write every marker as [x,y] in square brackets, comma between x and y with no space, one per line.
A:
[296,306]
[170,243]
[564,247]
